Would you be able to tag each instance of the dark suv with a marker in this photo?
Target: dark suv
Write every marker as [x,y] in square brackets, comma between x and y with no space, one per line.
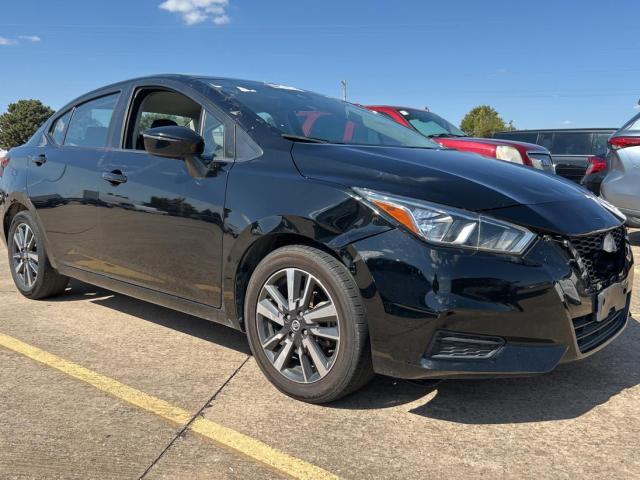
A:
[570,149]
[338,256]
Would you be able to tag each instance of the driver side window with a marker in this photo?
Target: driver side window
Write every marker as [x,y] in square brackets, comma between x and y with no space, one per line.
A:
[160,108]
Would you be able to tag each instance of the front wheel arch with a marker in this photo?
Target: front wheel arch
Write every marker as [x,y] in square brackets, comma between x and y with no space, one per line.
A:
[256,252]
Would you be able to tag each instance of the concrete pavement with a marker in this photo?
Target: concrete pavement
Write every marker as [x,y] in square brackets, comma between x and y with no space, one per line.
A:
[581,420]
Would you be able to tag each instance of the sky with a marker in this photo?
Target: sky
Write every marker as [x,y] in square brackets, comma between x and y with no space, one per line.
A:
[541,64]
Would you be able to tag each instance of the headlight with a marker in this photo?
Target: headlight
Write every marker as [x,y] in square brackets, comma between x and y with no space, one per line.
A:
[450,226]
[612,208]
[510,154]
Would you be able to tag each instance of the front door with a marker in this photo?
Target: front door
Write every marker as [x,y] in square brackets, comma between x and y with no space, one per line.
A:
[162,228]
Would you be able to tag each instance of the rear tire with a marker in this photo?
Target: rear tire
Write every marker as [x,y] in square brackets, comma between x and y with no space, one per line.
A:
[306,325]
[31,270]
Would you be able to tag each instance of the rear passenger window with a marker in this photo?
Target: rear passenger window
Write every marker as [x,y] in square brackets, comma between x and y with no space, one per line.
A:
[571,143]
[529,137]
[546,140]
[526,137]
[59,127]
[600,143]
[90,123]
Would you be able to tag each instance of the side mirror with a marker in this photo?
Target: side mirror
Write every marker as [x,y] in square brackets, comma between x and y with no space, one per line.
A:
[177,142]
[173,142]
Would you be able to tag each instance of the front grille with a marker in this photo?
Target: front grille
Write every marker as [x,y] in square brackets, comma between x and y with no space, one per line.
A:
[456,346]
[600,267]
[591,334]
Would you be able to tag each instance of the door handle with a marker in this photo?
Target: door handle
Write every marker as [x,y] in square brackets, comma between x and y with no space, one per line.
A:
[39,160]
[115,177]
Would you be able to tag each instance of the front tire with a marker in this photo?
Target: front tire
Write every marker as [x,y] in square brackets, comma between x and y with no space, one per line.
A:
[306,325]
[31,270]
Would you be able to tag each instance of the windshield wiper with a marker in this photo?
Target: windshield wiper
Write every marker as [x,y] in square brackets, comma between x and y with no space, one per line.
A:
[440,135]
[302,138]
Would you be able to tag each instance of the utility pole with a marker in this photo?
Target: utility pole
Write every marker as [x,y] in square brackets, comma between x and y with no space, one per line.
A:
[344,89]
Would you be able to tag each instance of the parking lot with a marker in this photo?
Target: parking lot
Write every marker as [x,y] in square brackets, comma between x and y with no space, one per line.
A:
[99,385]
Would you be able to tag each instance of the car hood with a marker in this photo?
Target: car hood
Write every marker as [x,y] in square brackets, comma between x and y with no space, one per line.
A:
[456,179]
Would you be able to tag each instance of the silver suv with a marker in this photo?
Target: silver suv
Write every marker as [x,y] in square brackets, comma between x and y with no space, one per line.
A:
[621,186]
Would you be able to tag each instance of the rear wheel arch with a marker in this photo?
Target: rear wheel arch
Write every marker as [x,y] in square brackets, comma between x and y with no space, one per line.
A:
[12,211]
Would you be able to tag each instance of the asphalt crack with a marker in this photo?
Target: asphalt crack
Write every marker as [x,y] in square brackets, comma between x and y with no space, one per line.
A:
[182,432]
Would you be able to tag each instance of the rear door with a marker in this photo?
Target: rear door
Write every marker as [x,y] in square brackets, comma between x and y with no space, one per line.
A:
[621,186]
[161,228]
[63,180]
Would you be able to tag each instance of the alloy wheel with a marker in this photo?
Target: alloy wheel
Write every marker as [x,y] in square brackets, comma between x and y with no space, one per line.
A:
[298,325]
[25,255]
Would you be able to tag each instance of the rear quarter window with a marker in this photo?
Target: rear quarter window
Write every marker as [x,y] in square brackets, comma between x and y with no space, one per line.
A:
[59,128]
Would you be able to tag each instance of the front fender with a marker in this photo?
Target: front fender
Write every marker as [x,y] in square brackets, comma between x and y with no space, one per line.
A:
[341,221]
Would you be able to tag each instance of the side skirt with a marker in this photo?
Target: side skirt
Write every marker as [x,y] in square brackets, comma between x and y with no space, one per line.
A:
[189,307]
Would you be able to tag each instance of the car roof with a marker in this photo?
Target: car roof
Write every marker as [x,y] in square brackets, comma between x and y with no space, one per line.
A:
[395,107]
[158,77]
[559,130]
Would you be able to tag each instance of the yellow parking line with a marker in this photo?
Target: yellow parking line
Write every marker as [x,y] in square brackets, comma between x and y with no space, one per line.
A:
[220,434]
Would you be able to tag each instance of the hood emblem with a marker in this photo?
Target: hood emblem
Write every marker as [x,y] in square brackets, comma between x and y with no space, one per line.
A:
[609,243]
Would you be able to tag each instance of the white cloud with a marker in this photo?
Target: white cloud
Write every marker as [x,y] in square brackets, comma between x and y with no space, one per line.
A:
[567,122]
[30,38]
[7,41]
[221,20]
[15,41]
[198,11]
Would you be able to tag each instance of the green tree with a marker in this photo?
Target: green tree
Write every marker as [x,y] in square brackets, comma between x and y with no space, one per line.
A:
[484,121]
[20,122]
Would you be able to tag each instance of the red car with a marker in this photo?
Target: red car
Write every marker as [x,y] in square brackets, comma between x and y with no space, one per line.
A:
[448,135]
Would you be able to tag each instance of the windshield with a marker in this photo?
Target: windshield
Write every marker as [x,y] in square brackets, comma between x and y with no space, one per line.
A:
[300,113]
[429,124]
[634,124]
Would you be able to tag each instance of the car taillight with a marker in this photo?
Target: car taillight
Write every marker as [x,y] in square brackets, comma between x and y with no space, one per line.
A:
[4,161]
[624,142]
[596,164]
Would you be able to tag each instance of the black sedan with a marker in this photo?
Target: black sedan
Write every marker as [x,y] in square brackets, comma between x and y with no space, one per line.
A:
[342,243]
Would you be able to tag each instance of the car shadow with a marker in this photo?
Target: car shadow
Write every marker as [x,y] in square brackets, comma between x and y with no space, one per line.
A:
[166,317]
[568,392]
[381,392]
[634,237]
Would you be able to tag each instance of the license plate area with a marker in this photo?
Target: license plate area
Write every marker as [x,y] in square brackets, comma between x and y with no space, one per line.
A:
[612,299]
